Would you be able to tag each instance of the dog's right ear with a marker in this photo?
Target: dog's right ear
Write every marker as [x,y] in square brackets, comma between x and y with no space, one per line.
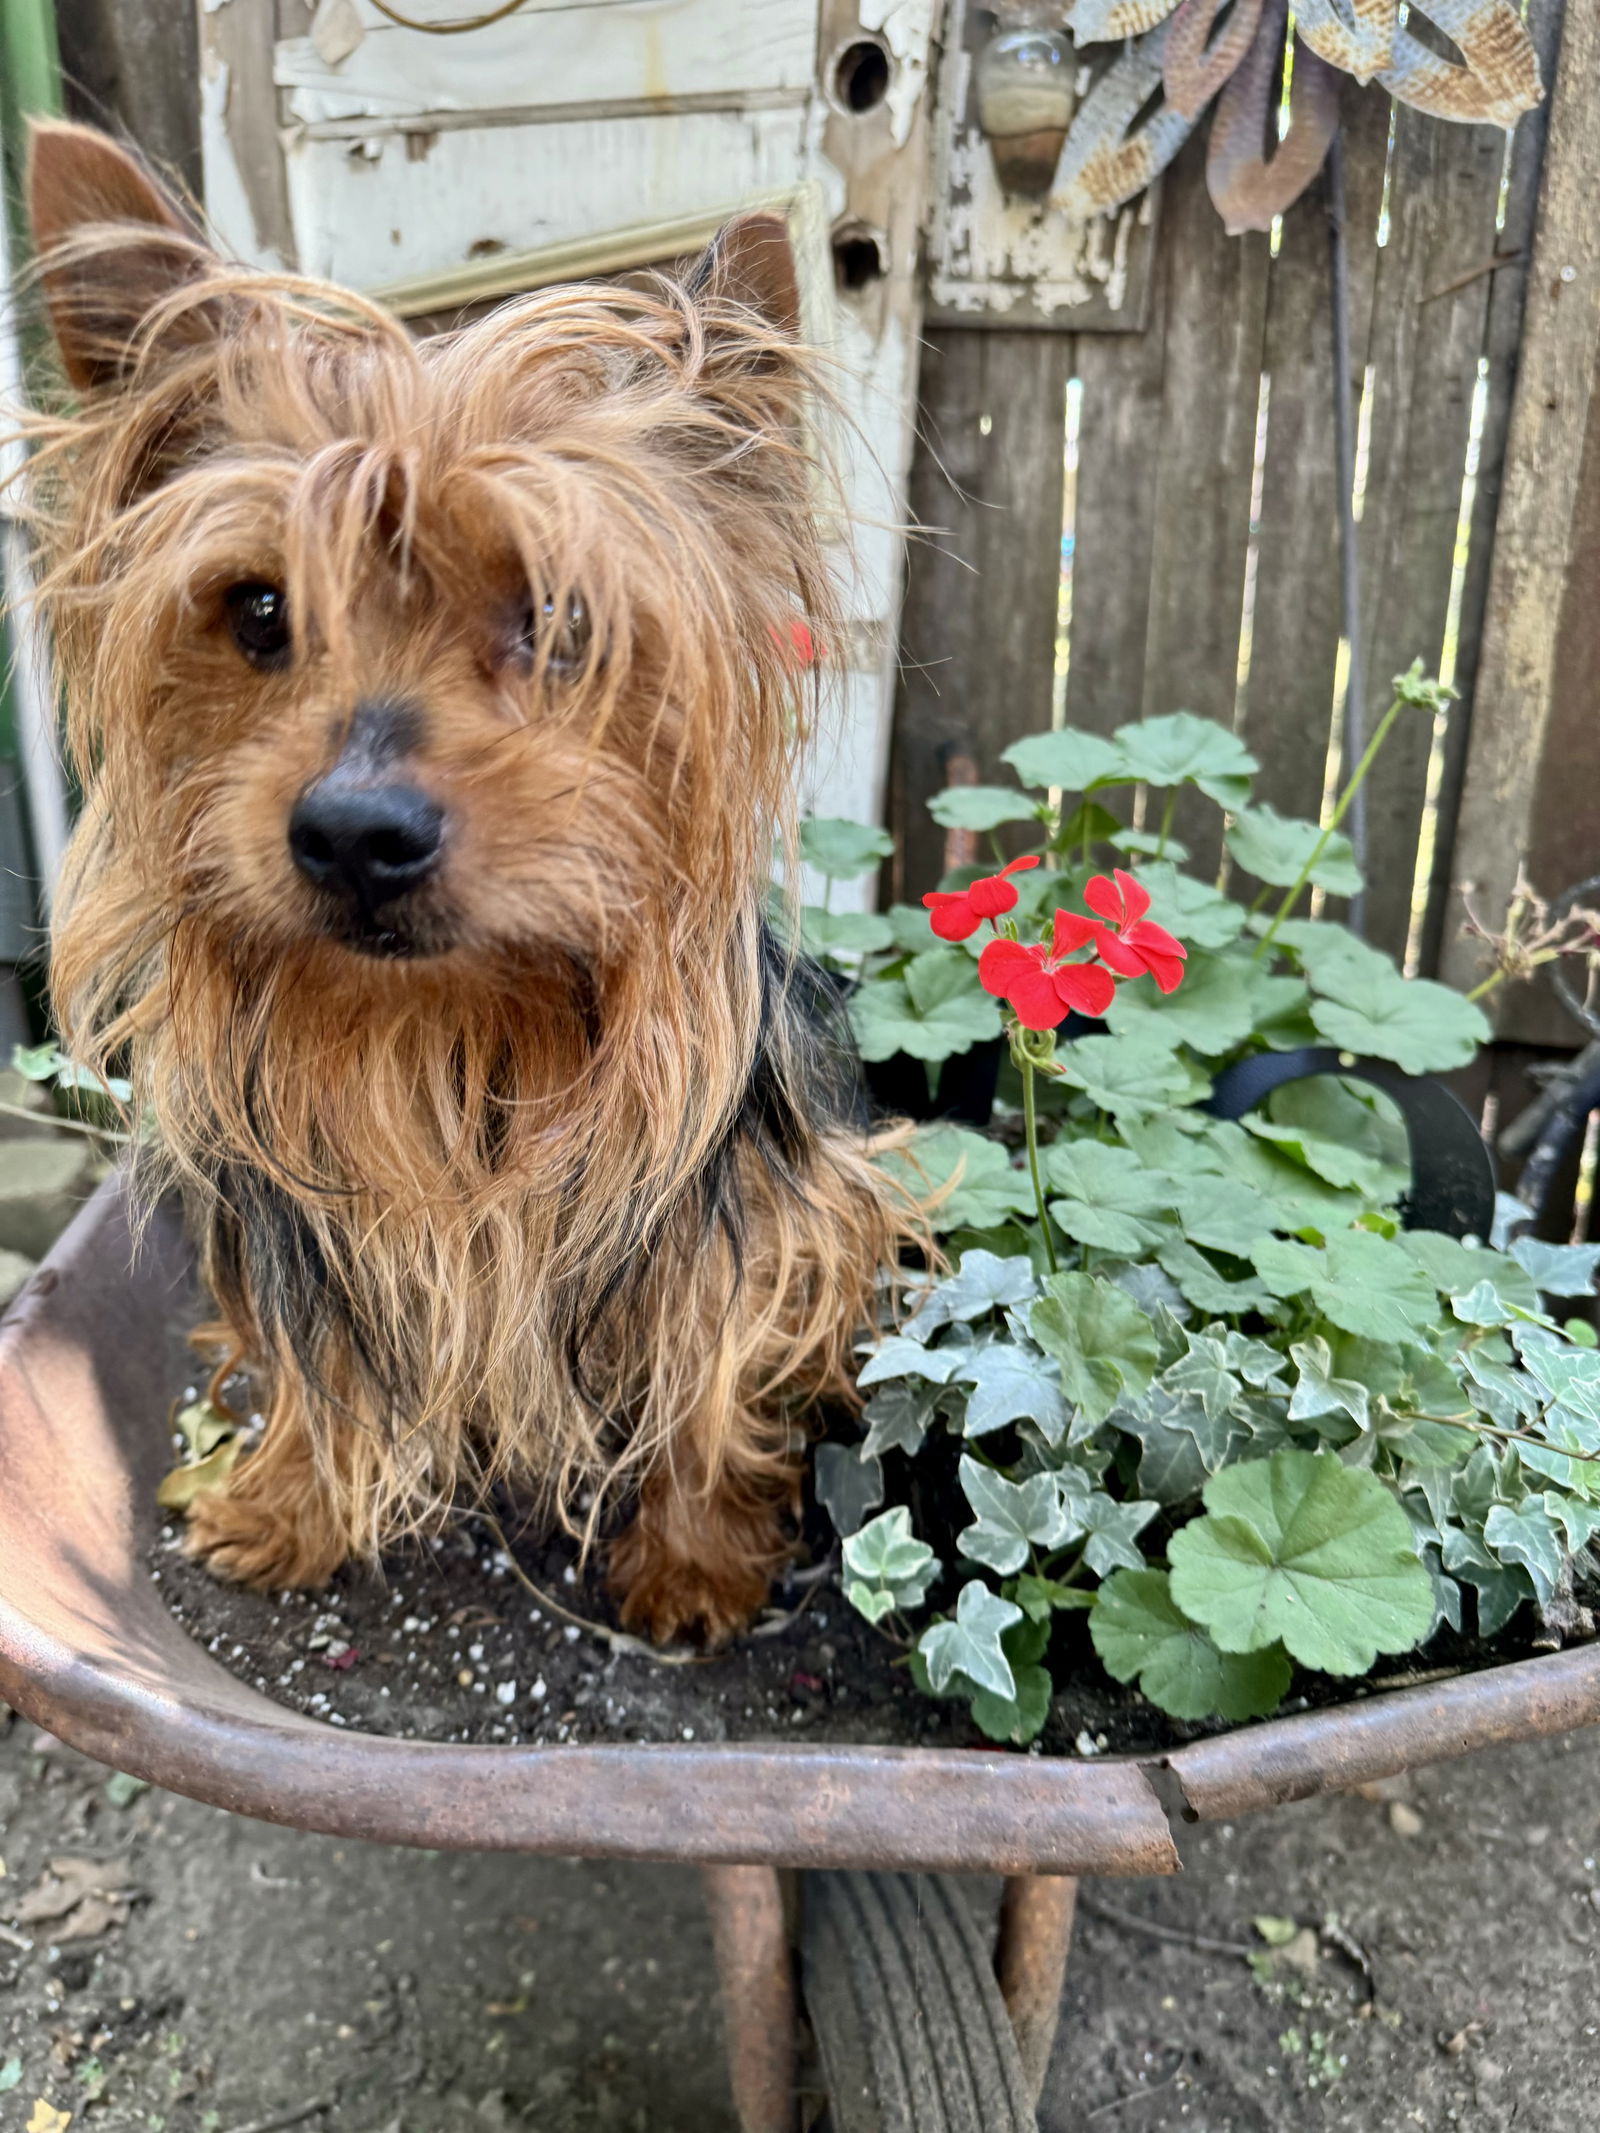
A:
[112,244]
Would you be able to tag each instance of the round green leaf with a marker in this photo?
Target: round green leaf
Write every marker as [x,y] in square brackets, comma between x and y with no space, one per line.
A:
[1363,1283]
[841,848]
[981,807]
[935,1008]
[825,933]
[1303,1550]
[1424,1028]
[1211,1011]
[1105,1344]
[984,1188]
[1076,762]
[1275,847]
[1138,1630]
[1184,750]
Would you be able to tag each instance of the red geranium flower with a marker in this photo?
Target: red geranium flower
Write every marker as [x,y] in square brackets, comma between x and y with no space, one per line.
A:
[1040,986]
[1134,944]
[956,914]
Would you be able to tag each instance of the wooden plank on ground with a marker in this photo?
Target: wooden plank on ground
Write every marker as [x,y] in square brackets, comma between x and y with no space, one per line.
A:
[978,636]
[1297,618]
[1537,559]
[1215,295]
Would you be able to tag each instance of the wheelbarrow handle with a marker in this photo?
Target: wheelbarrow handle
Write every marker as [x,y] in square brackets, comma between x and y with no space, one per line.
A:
[1452,1172]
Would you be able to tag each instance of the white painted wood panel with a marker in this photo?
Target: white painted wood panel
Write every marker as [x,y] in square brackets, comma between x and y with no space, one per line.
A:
[633,51]
[376,210]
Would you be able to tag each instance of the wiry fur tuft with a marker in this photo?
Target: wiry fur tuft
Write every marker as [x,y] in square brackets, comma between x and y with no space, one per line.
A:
[559,1196]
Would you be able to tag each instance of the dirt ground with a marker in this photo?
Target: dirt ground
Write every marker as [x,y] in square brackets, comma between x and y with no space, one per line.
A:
[262,1979]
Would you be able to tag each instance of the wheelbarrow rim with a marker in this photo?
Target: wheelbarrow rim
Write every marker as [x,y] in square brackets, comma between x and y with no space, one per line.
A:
[90,1652]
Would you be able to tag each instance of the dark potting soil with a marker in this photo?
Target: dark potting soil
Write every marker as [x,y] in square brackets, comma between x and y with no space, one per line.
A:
[465,1639]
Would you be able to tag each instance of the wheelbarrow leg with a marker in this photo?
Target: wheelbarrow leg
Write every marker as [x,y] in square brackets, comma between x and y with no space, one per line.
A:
[759,2009]
[1030,1961]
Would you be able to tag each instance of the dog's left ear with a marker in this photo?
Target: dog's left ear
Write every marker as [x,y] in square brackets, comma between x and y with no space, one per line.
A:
[112,244]
[751,263]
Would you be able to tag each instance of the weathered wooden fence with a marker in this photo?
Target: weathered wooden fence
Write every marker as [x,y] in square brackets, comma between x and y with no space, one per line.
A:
[1201,504]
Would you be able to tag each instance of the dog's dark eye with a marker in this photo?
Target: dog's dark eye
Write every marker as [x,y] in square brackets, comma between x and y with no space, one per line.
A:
[258,616]
[559,638]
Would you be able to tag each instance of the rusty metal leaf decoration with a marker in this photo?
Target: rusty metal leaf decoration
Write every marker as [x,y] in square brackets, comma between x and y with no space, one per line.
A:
[1115,146]
[1194,70]
[1355,35]
[1500,79]
[1103,21]
[1248,187]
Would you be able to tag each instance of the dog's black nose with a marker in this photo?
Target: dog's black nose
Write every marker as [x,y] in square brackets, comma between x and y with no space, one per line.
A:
[371,842]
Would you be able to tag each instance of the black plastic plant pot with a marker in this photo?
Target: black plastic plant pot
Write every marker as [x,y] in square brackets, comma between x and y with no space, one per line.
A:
[963,1093]
[1452,1172]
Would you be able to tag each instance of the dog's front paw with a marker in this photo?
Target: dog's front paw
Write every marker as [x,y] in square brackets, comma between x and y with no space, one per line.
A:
[666,1597]
[250,1542]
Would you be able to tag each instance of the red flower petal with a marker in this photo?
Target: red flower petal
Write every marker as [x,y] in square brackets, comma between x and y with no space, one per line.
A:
[1002,961]
[1167,970]
[1085,987]
[1145,934]
[1073,932]
[1020,866]
[951,915]
[1037,998]
[990,895]
[1135,896]
[1100,896]
[1117,955]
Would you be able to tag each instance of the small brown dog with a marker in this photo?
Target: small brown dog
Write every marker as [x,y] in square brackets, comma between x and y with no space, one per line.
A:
[435,704]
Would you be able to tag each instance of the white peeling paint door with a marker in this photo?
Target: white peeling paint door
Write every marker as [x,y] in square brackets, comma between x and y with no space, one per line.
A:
[579,136]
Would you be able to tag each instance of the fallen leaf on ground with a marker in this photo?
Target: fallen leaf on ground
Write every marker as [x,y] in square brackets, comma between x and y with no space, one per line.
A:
[1276,1932]
[79,1899]
[10,2075]
[47,2119]
[180,1488]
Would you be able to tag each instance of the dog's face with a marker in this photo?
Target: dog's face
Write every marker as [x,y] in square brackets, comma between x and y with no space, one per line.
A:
[382,651]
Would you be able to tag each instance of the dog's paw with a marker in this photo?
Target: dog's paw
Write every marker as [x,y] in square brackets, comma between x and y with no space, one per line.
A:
[248,1542]
[667,1598]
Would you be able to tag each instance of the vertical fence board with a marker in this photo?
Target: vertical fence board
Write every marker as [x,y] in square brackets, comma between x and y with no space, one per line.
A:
[1507,302]
[1298,612]
[1427,337]
[978,639]
[1215,291]
[1119,437]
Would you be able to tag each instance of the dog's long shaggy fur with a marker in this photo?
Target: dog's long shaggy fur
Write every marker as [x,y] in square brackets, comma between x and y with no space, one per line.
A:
[544,1180]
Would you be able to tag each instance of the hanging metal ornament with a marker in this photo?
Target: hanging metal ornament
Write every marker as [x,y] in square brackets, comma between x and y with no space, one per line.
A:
[1249,187]
[1195,69]
[1123,136]
[1355,35]
[1500,77]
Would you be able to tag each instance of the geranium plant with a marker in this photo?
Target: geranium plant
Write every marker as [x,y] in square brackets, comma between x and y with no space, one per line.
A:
[1205,1386]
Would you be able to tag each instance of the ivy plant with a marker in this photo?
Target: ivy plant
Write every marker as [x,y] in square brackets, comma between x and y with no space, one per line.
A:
[1209,1390]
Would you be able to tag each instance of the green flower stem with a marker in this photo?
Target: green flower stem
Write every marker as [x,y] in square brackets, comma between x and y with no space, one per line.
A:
[1031,1123]
[1357,780]
[1167,814]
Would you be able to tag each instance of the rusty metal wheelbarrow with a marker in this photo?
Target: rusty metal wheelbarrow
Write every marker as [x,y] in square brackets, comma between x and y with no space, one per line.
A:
[919,2027]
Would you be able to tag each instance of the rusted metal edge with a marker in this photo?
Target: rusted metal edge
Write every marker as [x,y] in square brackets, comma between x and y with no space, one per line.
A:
[1380,1735]
[89,1651]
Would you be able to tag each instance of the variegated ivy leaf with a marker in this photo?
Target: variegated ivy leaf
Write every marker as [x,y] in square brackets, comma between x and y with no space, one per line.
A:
[1570,1375]
[902,1357]
[1108,1530]
[983,1282]
[1204,1375]
[1564,1432]
[1457,1268]
[1252,1360]
[1506,1396]
[970,1645]
[1012,1383]
[1154,1291]
[1501,1588]
[1528,1535]
[1318,1392]
[848,1485]
[897,1416]
[1171,1470]
[1580,1522]
[886,1566]
[1012,1517]
[1558,1269]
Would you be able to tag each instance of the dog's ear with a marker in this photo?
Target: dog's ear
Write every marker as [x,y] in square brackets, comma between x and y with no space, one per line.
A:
[751,263]
[112,244]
